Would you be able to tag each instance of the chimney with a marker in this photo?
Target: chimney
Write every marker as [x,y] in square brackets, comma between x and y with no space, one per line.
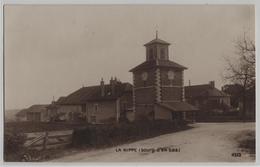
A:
[112,84]
[53,100]
[111,80]
[212,84]
[102,87]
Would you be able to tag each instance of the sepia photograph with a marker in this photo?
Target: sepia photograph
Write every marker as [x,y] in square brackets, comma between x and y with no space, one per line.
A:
[95,83]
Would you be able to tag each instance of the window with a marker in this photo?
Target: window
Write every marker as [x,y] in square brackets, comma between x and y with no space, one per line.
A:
[95,107]
[83,108]
[196,103]
[213,102]
[124,106]
[70,116]
[93,119]
[144,83]
[171,75]
[171,82]
[144,76]
[162,53]
[151,53]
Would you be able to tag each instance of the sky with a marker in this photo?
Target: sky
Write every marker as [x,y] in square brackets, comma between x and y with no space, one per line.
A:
[53,50]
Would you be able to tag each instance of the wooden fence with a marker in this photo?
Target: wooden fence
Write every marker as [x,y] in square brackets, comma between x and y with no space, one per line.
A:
[48,139]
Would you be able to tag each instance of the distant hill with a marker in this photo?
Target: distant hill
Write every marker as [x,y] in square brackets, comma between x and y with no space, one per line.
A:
[10,114]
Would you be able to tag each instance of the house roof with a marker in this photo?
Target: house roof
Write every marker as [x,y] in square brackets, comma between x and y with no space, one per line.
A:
[33,108]
[178,106]
[158,63]
[36,108]
[60,99]
[204,90]
[93,93]
[157,41]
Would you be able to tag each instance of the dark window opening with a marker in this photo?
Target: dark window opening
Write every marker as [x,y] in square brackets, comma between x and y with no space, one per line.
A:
[144,82]
[171,82]
[96,107]
[150,53]
[93,119]
[162,54]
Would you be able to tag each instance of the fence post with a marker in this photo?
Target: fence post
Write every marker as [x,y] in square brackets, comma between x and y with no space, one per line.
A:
[45,140]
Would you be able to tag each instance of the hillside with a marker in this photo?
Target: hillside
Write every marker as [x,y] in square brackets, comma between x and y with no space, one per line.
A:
[10,115]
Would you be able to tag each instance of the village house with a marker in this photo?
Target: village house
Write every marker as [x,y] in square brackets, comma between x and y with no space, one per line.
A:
[208,98]
[102,103]
[158,90]
[37,113]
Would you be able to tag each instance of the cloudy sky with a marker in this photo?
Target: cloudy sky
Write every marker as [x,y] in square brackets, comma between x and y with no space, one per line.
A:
[53,50]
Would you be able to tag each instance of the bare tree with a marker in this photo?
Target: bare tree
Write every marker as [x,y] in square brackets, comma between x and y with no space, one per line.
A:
[242,70]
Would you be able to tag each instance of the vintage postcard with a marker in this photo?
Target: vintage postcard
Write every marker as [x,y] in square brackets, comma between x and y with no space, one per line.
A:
[129,83]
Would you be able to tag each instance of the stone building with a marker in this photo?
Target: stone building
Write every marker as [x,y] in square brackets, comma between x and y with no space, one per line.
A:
[158,90]
[35,113]
[207,98]
[102,103]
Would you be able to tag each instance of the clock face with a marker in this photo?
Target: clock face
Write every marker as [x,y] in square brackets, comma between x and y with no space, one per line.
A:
[170,75]
[144,76]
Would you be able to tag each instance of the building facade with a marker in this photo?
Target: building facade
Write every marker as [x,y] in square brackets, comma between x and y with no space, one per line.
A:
[104,103]
[35,113]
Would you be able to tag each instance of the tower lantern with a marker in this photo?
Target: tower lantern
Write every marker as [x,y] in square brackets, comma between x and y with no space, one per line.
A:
[157,49]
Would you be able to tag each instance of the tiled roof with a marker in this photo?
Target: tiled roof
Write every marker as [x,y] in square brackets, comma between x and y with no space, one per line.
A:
[60,99]
[157,41]
[178,106]
[203,90]
[37,108]
[158,63]
[93,93]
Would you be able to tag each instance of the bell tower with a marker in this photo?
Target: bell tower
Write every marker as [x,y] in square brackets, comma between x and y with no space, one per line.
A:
[157,82]
[157,49]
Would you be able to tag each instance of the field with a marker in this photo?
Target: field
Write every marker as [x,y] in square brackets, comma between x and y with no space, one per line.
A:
[10,115]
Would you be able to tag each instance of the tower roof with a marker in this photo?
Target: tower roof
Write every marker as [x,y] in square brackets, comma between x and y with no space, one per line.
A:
[157,41]
[158,63]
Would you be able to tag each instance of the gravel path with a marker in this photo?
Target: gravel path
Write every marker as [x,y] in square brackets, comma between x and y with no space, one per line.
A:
[206,142]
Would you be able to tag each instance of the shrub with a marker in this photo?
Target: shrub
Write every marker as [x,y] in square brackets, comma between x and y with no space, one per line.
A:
[82,137]
[114,134]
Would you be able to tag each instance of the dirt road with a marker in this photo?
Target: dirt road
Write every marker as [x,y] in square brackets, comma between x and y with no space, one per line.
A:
[206,142]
